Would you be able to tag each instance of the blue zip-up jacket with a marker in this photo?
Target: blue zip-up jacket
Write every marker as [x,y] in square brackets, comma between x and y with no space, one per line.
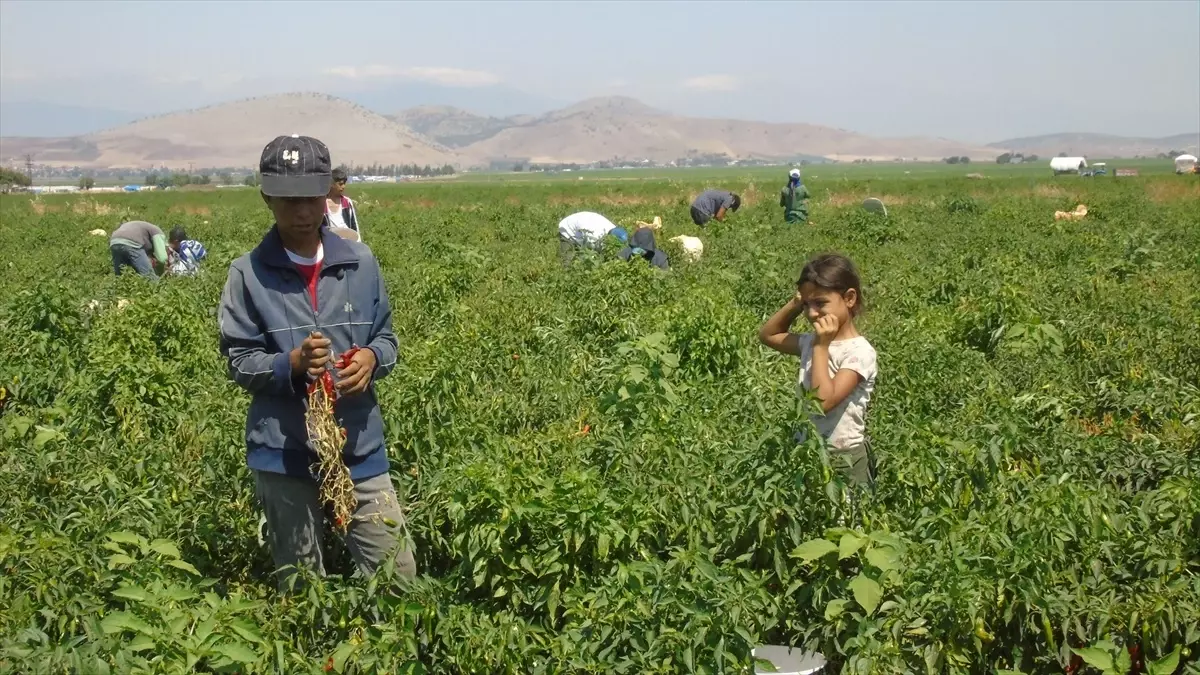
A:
[266,312]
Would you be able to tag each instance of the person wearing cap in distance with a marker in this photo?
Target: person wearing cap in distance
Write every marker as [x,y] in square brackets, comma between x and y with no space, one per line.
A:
[586,230]
[714,204]
[793,199]
[289,308]
[641,245]
[339,209]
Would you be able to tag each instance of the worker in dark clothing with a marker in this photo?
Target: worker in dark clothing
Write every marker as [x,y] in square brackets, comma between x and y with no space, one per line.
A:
[642,245]
[714,204]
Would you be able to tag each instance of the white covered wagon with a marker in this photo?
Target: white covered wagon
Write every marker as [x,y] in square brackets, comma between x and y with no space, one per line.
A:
[1067,164]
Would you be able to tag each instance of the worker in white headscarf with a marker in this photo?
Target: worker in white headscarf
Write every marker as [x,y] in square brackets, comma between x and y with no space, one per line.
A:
[794,199]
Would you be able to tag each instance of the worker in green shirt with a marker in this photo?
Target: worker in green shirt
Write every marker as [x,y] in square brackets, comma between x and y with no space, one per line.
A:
[793,199]
[132,244]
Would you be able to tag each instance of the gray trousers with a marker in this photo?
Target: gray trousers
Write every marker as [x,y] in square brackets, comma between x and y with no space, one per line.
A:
[566,251]
[130,256]
[294,525]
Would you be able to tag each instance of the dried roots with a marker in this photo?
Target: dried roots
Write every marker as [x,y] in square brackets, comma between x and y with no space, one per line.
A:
[326,439]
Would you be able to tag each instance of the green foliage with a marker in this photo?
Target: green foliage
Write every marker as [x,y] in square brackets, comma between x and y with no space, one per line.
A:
[963,204]
[12,177]
[598,459]
[1110,659]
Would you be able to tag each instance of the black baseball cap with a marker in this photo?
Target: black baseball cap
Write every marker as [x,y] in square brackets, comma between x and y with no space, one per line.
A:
[643,238]
[295,166]
[641,243]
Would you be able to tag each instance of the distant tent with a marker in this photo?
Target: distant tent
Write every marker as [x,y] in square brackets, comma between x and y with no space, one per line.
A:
[1185,163]
[132,188]
[1067,164]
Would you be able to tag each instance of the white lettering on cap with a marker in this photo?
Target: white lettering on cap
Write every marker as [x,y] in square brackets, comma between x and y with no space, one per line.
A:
[295,135]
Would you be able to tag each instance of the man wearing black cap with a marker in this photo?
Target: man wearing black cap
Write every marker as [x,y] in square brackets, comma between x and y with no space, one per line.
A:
[301,297]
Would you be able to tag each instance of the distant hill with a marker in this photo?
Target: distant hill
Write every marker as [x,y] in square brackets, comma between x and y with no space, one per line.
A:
[598,129]
[454,127]
[233,135]
[1099,145]
[618,127]
[497,99]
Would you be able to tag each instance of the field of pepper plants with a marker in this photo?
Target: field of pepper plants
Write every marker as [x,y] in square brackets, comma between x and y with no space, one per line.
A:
[598,462]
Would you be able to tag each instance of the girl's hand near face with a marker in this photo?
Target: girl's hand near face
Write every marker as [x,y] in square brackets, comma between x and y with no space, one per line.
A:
[826,329]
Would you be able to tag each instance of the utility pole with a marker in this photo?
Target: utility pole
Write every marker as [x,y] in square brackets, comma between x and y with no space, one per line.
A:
[29,168]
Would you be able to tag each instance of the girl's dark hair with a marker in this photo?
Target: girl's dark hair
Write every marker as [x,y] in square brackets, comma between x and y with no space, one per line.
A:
[178,234]
[339,175]
[737,201]
[834,272]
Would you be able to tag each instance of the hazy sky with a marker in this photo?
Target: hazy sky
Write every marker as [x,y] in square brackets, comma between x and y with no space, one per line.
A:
[973,71]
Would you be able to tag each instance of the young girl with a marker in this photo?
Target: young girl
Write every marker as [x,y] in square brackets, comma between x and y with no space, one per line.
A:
[835,361]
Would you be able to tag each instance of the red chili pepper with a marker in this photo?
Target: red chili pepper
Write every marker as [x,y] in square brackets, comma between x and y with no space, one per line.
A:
[1135,657]
[344,360]
[326,382]
[326,379]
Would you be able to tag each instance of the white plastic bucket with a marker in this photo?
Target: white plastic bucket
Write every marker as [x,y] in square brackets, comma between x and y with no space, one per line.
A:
[787,661]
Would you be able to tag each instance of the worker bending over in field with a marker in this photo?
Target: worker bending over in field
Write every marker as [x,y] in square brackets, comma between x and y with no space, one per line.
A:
[586,230]
[642,245]
[132,244]
[289,307]
[339,209]
[714,204]
[836,362]
[794,199]
[185,254]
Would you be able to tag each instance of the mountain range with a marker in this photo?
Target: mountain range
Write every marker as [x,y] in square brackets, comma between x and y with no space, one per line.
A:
[1099,145]
[599,129]
[233,135]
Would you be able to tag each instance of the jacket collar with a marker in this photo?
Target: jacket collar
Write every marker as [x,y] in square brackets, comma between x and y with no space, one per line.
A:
[346,204]
[338,251]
